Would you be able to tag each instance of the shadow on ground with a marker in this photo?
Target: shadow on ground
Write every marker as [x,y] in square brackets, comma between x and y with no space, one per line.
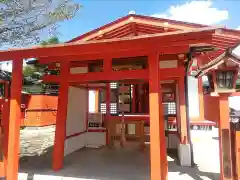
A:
[109,164]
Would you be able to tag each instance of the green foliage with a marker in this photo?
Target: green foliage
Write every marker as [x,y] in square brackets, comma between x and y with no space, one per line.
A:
[52,40]
[29,70]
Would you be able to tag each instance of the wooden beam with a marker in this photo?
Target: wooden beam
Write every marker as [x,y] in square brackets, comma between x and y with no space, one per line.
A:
[60,132]
[93,56]
[159,42]
[101,76]
[128,75]
[14,121]
[172,73]
[159,165]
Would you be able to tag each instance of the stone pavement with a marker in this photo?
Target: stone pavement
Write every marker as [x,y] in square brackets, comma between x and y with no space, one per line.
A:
[117,164]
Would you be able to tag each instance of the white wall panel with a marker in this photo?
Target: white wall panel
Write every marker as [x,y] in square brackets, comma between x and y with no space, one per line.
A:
[168,64]
[74,143]
[234,102]
[76,70]
[76,119]
[77,110]
[95,139]
[193,98]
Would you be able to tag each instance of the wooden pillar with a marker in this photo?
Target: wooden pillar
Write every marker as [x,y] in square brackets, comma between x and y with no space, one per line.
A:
[133,98]
[201,100]
[108,99]
[225,139]
[14,121]
[60,132]
[5,123]
[107,120]
[183,114]
[237,152]
[96,101]
[140,90]
[158,155]
[107,67]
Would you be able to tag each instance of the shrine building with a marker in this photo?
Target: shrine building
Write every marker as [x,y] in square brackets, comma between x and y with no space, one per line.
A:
[143,73]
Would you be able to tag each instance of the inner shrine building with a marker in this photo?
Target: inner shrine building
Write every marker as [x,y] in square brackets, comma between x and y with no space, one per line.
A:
[139,70]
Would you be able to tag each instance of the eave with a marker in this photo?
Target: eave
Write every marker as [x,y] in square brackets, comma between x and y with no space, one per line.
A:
[164,43]
[213,64]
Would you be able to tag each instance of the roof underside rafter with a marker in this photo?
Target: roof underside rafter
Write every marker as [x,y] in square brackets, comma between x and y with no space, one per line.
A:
[164,43]
[133,25]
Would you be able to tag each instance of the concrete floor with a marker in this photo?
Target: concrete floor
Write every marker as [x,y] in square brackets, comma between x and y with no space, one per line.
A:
[124,164]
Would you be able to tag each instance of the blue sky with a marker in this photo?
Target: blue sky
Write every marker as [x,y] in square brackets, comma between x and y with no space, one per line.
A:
[96,13]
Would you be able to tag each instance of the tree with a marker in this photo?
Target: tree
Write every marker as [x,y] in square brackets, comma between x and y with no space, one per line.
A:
[33,66]
[52,40]
[23,21]
[29,70]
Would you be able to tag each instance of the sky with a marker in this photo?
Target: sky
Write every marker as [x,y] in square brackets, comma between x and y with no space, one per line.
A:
[96,13]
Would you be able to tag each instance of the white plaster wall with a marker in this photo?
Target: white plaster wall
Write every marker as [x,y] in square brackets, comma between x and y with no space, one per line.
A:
[76,119]
[91,101]
[74,143]
[76,70]
[193,98]
[168,64]
[234,102]
[95,139]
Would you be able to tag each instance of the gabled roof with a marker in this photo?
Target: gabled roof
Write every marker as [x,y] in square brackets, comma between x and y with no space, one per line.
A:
[132,25]
[135,24]
[137,43]
[227,55]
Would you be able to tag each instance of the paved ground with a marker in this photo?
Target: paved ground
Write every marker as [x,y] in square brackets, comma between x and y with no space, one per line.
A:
[127,164]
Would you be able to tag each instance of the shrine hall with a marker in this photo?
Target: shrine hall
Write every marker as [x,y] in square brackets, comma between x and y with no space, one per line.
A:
[139,70]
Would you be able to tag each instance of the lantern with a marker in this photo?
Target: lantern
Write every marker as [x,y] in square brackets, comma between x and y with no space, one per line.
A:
[222,80]
[222,72]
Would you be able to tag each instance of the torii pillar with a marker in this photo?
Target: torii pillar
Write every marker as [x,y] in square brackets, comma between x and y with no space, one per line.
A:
[225,139]
[60,132]
[14,121]
[158,155]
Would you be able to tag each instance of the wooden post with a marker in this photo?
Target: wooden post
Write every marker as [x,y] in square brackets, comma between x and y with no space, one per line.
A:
[201,99]
[5,119]
[14,121]
[183,115]
[134,98]
[107,120]
[225,139]
[60,133]
[237,151]
[96,101]
[159,165]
